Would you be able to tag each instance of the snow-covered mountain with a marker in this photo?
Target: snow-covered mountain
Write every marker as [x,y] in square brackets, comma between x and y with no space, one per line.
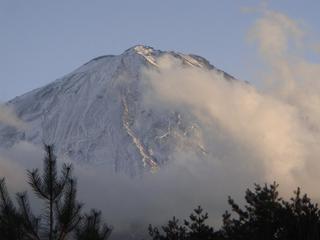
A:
[96,114]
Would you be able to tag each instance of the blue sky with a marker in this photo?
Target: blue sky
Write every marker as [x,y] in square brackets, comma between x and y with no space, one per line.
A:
[41,41]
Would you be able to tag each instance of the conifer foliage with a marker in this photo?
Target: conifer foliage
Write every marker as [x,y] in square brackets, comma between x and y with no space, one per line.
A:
[92,228]
[172,231]
[193,229]
[264,216]
[11,223]
[62,212]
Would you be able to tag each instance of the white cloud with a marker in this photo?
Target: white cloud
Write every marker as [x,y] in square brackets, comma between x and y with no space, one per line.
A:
[8,117]
[256,135]
[278,124]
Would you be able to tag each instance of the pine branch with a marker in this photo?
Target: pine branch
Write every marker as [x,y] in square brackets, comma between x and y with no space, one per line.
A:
[5,201]
[68,210]
[36,183]
[31,223]
[66,172]
[91,227]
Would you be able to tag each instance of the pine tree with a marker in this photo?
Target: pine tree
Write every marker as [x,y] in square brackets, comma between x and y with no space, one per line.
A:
[264,216]
[197,229]
[68,211]
[193,229]
[260,218]
[11,224]
[31,223]
[62,210]
[50,188]
[91,228]
[267,216]
[172,231]
[301,218]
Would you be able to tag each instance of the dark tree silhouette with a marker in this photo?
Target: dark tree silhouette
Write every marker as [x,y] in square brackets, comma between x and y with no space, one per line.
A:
[172,231]
[264,216]
[267,216]
[260,218]
[91,228]
[11,224]
[197,229]
[62,211]
[31,223]
[193,229]
[50,188]
[301,218]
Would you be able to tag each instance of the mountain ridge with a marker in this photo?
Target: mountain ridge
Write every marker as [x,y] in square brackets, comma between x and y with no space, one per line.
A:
[96,114]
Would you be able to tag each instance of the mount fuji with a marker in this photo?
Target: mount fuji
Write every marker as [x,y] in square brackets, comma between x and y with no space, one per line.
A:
[96,114]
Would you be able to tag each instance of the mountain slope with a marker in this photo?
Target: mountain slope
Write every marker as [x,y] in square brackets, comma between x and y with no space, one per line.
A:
[97,114]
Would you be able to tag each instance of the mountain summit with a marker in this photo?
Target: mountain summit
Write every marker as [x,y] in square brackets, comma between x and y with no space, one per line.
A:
[96,114]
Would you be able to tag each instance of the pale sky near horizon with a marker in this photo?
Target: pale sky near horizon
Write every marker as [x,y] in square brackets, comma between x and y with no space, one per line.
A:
[41,41]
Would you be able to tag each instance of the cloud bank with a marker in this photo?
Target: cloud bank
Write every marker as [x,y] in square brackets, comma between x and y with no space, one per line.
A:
[278,124]
[11,170]
[254,135]
[9,118]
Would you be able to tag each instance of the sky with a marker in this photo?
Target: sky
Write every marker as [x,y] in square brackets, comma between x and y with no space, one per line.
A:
[256,134]
[41,41]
